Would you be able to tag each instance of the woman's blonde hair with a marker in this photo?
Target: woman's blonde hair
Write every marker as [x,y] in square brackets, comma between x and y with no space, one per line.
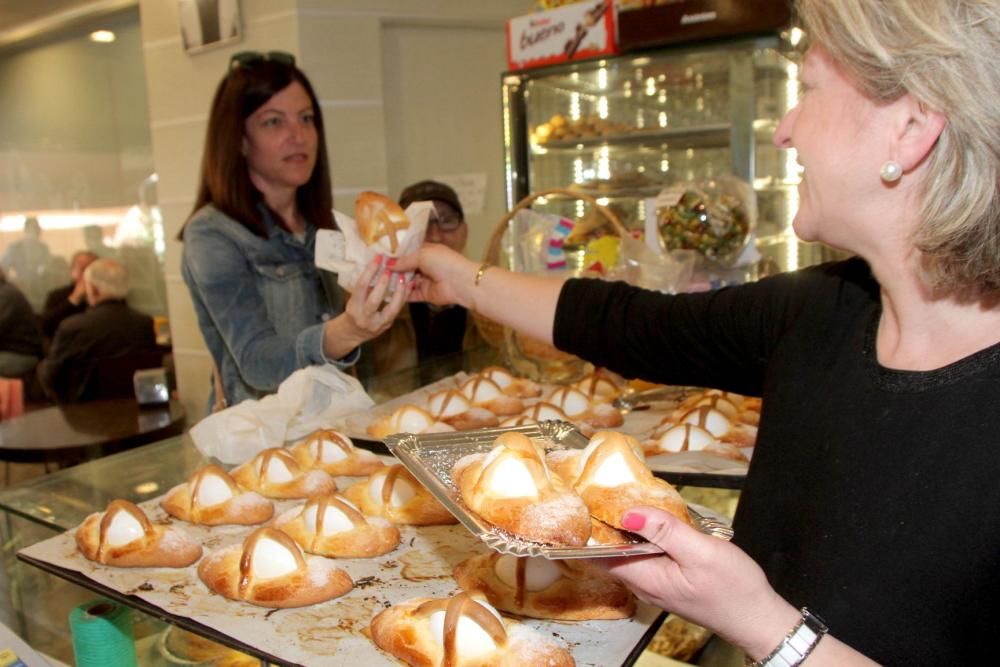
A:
[946,54]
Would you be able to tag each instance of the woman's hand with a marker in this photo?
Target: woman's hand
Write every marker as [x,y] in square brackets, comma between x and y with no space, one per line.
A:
[443,277]
[706,580]
[367,314]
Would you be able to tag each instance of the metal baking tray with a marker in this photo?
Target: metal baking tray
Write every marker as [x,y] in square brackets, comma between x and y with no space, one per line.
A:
[430,458]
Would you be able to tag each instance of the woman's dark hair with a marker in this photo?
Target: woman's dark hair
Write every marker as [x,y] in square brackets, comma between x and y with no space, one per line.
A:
[225,176]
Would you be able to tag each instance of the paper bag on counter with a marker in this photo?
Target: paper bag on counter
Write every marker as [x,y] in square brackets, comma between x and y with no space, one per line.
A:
[345,253]
[310,399]
[316,396]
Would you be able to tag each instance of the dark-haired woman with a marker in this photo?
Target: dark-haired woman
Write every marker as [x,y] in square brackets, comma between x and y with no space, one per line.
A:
[263,307]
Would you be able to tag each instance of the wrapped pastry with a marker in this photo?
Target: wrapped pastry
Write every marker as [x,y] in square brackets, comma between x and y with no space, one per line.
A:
[381,222]
[123,536]
[511,385]
[269,570]
[463,631]
[453,408]
[407,419]
[330,525]
[394,494]
[483,392]
[211,497]
[563,590]
[510,487]
[612,478]
[274,473]
[335,454]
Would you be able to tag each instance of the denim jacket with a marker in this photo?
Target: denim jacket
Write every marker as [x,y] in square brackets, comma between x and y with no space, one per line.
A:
[261,303]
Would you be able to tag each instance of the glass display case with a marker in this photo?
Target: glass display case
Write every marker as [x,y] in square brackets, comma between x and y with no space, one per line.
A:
[621,129]
[36,605]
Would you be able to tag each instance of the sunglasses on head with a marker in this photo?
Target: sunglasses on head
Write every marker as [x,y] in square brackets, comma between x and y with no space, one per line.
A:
[251,58]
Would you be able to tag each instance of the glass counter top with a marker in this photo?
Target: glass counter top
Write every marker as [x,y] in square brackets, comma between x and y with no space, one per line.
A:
[62,499]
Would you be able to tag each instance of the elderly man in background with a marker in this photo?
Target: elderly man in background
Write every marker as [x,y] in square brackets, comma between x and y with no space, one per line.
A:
[95,352]
[68,300]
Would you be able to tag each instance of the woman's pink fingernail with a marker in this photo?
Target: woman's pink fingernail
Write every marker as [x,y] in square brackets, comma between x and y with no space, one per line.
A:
[391,261]
[401,279]
[387,273]
[633,521]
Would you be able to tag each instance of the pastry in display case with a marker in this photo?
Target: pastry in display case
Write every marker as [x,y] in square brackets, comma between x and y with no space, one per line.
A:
[625,128]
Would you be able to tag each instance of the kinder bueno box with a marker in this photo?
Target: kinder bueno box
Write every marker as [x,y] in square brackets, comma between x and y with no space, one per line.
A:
[573,32]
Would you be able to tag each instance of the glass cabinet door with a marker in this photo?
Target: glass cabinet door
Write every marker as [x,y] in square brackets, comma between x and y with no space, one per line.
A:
[622,129]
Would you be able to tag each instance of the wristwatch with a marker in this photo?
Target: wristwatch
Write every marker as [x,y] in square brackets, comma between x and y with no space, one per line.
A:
[797,644]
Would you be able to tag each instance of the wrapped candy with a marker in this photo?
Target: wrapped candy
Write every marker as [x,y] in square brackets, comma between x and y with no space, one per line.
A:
[714,217]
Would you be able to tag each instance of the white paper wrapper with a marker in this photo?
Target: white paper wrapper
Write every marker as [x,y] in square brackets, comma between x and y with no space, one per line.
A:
[346,254]
[310,399]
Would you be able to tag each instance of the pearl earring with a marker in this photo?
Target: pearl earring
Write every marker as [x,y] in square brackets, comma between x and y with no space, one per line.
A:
[891,171]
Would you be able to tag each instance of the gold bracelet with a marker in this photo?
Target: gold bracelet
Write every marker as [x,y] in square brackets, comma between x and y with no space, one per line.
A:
[480,273]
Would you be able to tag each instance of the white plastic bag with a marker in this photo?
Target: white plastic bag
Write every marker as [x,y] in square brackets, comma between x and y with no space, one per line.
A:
[310,399]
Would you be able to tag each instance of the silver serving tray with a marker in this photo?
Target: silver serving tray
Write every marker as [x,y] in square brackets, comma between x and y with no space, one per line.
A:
[430,457]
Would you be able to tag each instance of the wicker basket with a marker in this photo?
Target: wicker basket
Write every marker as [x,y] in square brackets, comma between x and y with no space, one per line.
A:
[525,355]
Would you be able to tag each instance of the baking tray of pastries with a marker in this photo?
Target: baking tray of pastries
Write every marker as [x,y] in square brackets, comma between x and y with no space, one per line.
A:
[431,458]
[689,435]
[335,631]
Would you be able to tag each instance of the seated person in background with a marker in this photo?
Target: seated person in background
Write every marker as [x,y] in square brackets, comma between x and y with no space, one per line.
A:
[68,300]
[99,349]
[20,340]
[430,330]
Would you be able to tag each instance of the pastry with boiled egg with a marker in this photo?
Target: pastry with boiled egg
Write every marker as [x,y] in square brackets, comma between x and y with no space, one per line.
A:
[601,385]
[483,392]
[454,408]
[270,570]
[211,497]
[334,453]
[690,438]
[589,414]
[462,631]
[123,536]
[331,525]
[539,412]
[561,590]
[393,493]
[612,478]
[407,418]
[274,473]
[511,487]
[714,419]
[510,384]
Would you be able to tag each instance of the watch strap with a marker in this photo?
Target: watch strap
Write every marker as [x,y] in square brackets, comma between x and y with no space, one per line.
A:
[797,644]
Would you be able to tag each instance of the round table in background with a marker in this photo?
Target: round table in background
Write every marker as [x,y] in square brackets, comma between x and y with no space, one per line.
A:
[71,433]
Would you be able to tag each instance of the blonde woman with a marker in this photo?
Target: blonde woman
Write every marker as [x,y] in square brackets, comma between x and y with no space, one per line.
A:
[872,500]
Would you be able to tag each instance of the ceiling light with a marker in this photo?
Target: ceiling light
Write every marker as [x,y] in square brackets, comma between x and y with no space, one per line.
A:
[102,36]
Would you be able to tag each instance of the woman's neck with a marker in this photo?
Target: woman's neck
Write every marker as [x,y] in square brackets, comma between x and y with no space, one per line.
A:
[283,202]
[920,330]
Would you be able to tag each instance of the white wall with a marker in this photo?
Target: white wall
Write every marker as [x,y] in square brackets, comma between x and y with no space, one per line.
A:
[74,123]
[408,88]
